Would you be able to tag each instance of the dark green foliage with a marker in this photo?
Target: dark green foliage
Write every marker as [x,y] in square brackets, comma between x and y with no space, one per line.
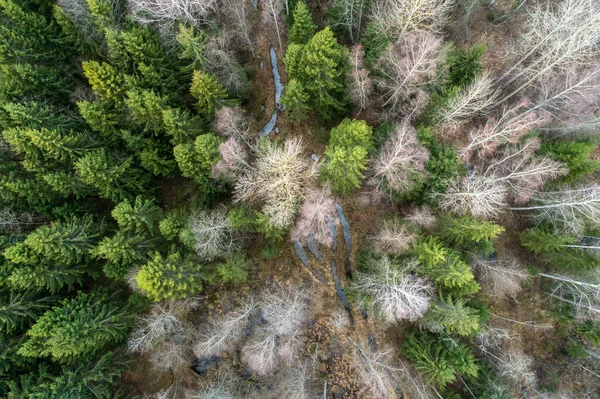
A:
[346,155]
[139,216]
[576,155]
[234,269]
[320,67]
[444,266]
[303,27]
[575,349]
[78,328]
[241,218]
[589,331]
[464,64]
[441,360]
[17,310]
[553,249]
[373,42]
[263,225]
[466,230]
[452,316]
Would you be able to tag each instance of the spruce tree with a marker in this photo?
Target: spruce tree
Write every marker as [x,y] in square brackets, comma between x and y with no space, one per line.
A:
[452,316]
[295,100]
[209,93]
[467,229]
[320,66]
[139,216]
[17,310]
[195,161]
[122,251]
[171,277]
[346,155]
[78,327]
[303,28]
[106,81]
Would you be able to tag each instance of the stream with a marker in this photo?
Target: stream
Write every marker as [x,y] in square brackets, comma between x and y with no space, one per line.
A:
[268,128]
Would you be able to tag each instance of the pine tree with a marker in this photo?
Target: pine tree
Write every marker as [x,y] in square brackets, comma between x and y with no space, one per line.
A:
[303,28]
[141,216]
[346,155]
[467,229]
[209,93]
[320,66]
[440,360]
[115,178]
[79,327]
[171,277]
[452,316]
[295,100]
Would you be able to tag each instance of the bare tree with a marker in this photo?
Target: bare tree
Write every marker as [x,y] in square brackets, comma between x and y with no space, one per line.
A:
[398,17]
[558,36]
[422,217]
[271,15]
[500,276]
[476,99]
[569,210]
[221,61]
[396,293]
[405,68]
[315,213]
[161,323]
[224,388]
[192,11]
[479,195]
[295,383]
[393,238]
[231,122]
[582,294]
[360,87]
[225,332]
[522,172]
[285,311]
[400,159]
[18,222]
[213,234]
[279,178]
[233,159]
[260,353]
[350,16]
[508,129]
[235,15]
[375,370]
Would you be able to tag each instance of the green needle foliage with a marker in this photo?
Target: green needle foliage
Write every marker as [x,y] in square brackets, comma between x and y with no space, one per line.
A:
[139,216]
[209,93]
[452,316]
[346,155]
[440,360]
[303,28]
[467,229]
[170,277]
[295,100]
[78,327]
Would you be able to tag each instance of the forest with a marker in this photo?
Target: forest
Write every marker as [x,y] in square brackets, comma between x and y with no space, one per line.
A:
[299,199]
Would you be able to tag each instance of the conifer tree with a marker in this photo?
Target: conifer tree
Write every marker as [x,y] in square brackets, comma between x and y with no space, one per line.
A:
[303,28]
[106,81]
[171,277]
[78,328]
[444,266]
[441,360]
[19,309]
[122,251]
[34,82]
[346,155]
[467,229]
[209,93]
[452,316]
[320,66]
[295,100]
[139,216]
[115,178]
[195,161]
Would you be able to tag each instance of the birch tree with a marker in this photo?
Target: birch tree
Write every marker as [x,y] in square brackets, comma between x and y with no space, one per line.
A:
[360,87]
[349,15]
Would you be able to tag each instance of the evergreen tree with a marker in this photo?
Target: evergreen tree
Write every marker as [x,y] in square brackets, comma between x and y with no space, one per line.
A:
[467,229]
[346,155]
[34,82]
[106,81]
[181,125]
[303,28]
[122,251]
[141,216]
[146,109]
[115,178]
[17,310]
[78,328]
[209,93]
[576,155]
[295,100]
[320,66]
[441,360]
[444,266]
[192,43]
[452,316]
[100,117]
[171,277]
[195,161]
